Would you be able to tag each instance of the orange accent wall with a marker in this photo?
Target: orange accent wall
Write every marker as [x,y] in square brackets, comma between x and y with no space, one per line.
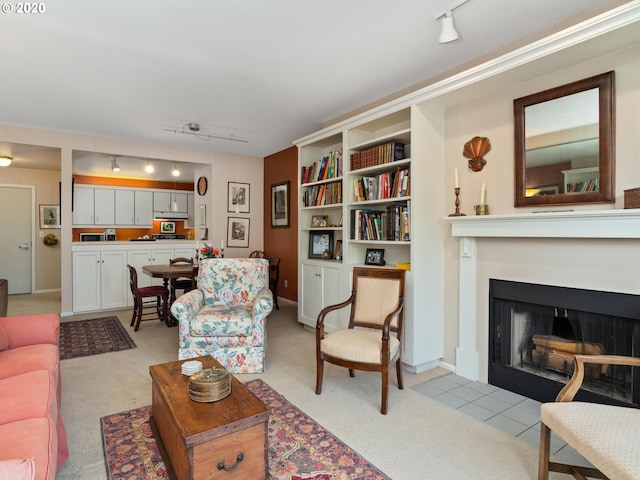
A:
[283,242]
[123,234]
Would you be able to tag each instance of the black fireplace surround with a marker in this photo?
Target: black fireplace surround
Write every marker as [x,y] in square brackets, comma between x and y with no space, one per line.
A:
[534,331]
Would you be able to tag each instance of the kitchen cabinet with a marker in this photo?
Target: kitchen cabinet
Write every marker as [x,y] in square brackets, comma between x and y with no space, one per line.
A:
[100,280]
[151,256]
[125,201]
[319,287]
[104,206]
[162,201]
[143,207]
[82,205]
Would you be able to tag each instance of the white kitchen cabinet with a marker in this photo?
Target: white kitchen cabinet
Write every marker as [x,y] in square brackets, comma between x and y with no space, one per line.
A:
[320,286]
[100,280]
[82,205]
[162,201]
[143,207]
[104,206]
[125,201]
[151,256]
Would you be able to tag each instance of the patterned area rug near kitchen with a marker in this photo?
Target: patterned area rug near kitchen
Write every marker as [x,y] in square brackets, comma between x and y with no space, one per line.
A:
[91,337]
[298,447]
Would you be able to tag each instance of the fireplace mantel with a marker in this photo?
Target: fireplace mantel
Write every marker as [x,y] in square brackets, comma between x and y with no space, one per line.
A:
[552,224]
[594,224]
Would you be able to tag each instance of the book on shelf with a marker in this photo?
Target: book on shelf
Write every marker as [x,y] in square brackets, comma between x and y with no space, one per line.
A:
[324,194]
[393,224]
[329,166]
[378,155]
[393,184]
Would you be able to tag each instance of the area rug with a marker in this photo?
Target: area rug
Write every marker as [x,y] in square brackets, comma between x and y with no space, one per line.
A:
[298,447]
[91,337]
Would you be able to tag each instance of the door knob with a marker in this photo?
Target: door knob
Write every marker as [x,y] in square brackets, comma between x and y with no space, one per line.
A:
[24,246]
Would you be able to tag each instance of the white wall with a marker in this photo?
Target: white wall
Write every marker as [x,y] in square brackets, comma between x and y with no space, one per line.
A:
[596,264]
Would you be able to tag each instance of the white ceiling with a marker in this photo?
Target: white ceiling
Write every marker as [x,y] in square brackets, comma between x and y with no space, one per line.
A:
[263,71]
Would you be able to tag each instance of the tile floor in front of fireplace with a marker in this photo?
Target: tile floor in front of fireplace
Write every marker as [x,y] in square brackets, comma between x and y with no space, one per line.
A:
[502,409]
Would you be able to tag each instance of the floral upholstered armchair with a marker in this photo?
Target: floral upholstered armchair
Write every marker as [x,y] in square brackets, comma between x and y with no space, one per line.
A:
[225,315]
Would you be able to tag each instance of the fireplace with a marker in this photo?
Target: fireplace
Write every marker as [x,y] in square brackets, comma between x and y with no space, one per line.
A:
[534,331]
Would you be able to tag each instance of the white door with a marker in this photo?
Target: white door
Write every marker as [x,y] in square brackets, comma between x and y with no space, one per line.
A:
[15,241]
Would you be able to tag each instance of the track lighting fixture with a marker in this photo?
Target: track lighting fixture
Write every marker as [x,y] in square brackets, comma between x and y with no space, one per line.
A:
[114,165]
[5,161]
[148,168]
[448,32]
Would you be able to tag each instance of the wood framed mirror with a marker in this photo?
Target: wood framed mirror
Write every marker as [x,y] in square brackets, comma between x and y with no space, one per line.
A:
[564,144]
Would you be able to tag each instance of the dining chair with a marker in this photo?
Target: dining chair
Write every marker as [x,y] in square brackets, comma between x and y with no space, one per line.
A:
[184,283]
[155,297]
[274,277]
[371,342]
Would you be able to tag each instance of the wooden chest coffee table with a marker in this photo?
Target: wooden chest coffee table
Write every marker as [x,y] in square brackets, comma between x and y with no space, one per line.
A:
[226,439]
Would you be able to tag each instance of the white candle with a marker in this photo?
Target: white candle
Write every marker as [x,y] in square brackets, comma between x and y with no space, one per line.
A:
[197,245]
[482,192]
[457,184]
[221,244]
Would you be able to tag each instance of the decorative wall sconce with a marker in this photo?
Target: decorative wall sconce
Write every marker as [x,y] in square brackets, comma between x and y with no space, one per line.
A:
[475,150]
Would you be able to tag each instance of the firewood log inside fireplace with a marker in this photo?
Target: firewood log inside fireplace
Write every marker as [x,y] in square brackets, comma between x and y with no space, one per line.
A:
[556,353]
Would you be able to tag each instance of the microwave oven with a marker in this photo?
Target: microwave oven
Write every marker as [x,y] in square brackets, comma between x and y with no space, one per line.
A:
[92,237]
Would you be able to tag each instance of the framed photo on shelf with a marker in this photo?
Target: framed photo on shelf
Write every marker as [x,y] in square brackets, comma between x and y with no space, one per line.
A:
[321,244]
[280,205]
[374,256]
[167,227]
[238,197]
[49,216]
[319,221]
[237,232]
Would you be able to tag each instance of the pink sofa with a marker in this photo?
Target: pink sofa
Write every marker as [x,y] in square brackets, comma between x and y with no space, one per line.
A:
[32,435]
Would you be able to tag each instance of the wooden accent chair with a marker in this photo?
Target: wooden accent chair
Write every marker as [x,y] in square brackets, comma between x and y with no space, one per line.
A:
[257,254]
[372,340]
[274,278]
[155,297]
[605,435]
[186,283]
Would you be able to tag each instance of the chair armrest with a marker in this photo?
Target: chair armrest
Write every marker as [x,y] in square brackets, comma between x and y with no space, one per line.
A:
[24,330]
[330,308]
[263,302]
[389,318]
[571,389]
[188,305]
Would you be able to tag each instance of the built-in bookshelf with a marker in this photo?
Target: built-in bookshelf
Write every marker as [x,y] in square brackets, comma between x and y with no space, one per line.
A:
[580,180]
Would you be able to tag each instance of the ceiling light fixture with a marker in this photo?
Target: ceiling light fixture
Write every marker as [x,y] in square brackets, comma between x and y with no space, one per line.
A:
[193,129]
[114,165]
[175,172]
[5,161]
[448,33]
[148,168]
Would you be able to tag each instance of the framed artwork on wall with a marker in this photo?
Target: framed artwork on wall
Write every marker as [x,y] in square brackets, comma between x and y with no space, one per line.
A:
[280,205]
[49,216]
[167,227]
[238,197]
[237,232]
[203,216]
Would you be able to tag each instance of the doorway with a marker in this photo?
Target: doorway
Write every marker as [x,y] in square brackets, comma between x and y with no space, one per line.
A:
[16,241]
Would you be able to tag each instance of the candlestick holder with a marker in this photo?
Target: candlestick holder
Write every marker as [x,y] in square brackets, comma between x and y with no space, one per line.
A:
[457,212]
[482,209]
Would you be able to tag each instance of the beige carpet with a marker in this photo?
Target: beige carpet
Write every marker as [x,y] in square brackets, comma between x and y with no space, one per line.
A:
[418,439]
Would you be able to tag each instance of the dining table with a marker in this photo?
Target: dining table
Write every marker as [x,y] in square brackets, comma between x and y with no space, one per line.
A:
[167,272]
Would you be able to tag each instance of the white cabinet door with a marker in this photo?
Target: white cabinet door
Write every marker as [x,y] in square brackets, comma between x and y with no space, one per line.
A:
[320,287]
[143,207]
[82,205]
[138,259]
[104,206]
[181,202]
[114,279]
[161,201]
[86,281]
[124,207]
[161,256]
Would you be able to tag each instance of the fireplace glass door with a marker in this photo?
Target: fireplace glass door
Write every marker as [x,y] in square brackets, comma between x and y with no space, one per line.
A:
[535,330]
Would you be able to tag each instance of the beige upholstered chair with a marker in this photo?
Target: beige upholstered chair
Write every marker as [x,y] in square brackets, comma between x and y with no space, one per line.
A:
[372,340]
[607,436]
